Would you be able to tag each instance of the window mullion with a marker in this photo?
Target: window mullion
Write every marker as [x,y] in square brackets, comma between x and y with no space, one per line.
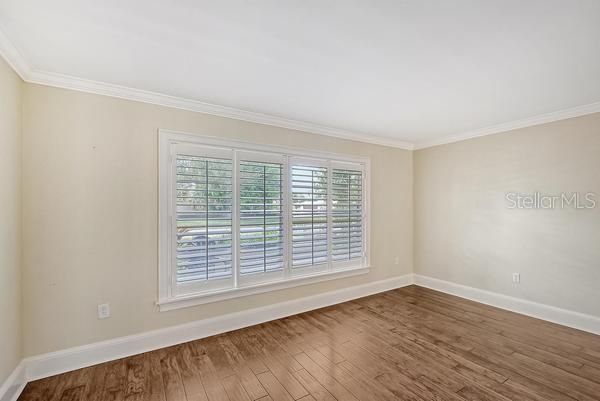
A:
[365,217]
[235,205]
[287,216]
[329,203]
[173,223]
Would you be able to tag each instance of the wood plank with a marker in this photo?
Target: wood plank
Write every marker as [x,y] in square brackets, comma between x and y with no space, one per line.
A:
[154,381]
[137,368]
[173,385]
[326,380]
[114,381]
[234,389]
[243,369]
[73,394]
[190,377]
[315,388]
[210,379]
[274,388]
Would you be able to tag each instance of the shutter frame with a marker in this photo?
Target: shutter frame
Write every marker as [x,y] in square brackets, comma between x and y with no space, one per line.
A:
[309,178]
[348,214]
[218,268]
[251,190]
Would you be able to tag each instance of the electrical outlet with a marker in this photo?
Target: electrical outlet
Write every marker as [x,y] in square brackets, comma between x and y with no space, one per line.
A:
[103,311]
[397,260]
[516,278]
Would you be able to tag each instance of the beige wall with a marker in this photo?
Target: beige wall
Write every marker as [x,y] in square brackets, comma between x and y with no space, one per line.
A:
[10,220]
[90,214]
[465,233]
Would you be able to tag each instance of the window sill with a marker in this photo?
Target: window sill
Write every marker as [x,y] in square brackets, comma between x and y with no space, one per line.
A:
[230,293]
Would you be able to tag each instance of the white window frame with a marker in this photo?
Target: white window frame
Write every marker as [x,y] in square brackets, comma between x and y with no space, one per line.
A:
[169,140]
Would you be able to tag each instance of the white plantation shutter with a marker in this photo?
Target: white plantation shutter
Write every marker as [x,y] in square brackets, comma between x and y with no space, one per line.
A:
[347,214]
[309,215]
[203,218]
[235,216]
[261,217]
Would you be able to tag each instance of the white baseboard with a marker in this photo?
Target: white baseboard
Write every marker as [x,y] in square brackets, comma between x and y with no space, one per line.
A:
[53,363]
[553,314]
[78,357]
[14,384]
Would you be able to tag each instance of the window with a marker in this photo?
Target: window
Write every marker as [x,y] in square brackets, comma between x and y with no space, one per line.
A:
[237,218]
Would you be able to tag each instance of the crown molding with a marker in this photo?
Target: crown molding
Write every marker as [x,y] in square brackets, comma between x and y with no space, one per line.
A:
[122,92]
[13,57]
[28,74]
[513,125]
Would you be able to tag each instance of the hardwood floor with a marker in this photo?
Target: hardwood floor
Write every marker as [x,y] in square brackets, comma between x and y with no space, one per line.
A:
[407,344]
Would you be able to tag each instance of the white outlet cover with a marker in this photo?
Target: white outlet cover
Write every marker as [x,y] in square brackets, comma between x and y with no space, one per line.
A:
[103,311]
[516,277]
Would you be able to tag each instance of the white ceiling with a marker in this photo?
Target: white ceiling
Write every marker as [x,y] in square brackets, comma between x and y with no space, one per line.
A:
[414,71]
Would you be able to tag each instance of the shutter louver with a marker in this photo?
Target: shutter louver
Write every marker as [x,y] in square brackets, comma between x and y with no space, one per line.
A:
[347,215]
[309,215]
[261,217]
[204,218]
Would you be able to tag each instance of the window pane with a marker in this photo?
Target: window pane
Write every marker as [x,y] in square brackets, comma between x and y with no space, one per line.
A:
[204,218]
[347,224]
[309,215]
[261,217]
